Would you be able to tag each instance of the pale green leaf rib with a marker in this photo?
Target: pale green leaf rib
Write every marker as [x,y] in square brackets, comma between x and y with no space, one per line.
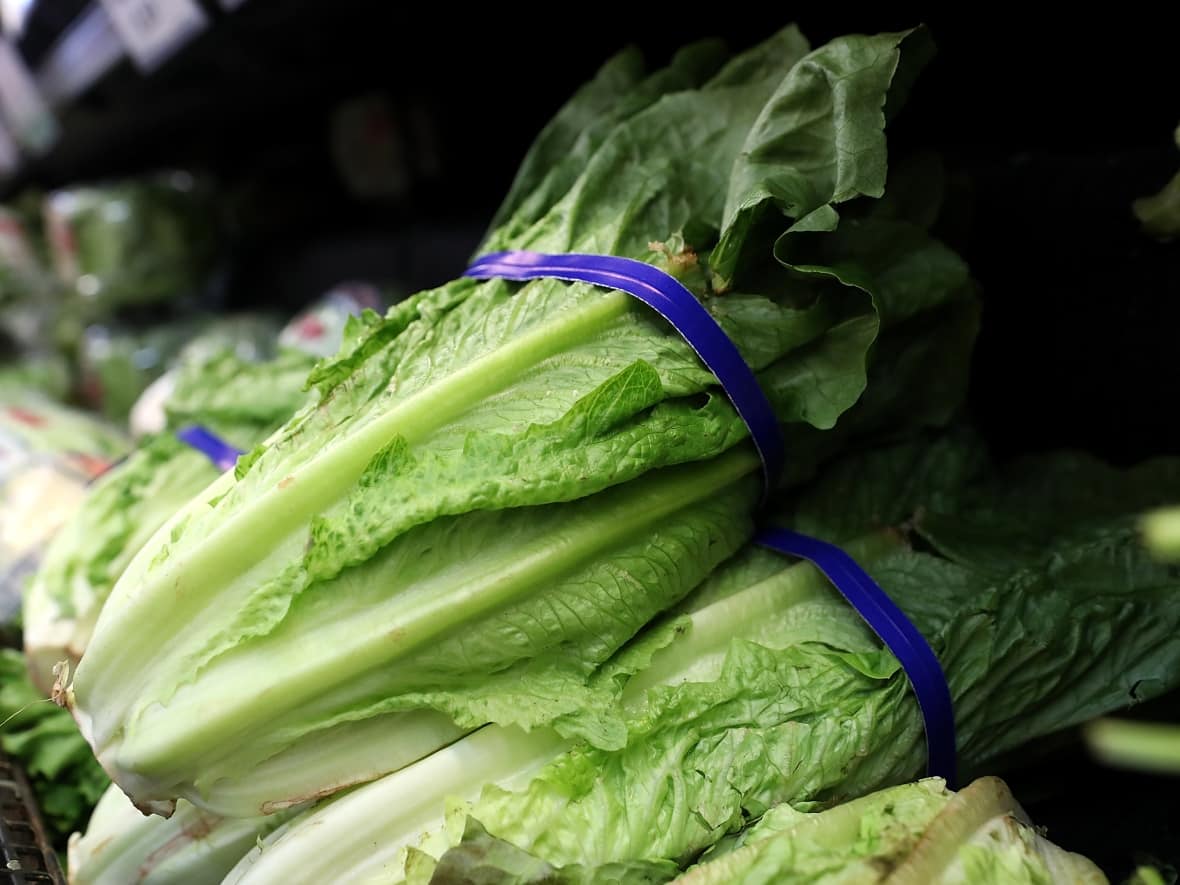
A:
[122,846]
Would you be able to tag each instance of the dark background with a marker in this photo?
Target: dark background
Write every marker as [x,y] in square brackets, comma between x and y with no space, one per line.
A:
[1055,125]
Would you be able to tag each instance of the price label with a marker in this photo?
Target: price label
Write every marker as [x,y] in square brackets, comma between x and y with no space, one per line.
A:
[152,30]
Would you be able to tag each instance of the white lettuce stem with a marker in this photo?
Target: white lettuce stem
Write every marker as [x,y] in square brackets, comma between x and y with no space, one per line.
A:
[382,819]
[122,846]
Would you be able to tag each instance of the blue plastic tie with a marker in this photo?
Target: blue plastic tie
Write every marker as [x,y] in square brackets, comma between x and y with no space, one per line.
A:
[894,629]
[676,304]
[668,297]
[222,454]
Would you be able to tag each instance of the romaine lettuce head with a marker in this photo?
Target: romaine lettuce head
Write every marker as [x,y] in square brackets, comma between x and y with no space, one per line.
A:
[499,484]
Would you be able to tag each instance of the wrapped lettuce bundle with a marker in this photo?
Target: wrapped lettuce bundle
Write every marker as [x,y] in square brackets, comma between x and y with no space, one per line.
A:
[118,364]
[765,687]
[128,243]
[233,343]
[48,455]
[498,485]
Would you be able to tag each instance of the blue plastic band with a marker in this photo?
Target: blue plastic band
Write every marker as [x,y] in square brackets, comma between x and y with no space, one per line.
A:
[676,304]
[895,630]
[222,454]
[670,299]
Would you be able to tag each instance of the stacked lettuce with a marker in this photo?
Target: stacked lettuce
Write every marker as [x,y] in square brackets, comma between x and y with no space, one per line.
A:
[499,485]
[490,579]
[764,688]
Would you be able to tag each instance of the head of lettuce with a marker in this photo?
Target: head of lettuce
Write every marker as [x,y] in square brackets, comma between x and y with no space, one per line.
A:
[497,485]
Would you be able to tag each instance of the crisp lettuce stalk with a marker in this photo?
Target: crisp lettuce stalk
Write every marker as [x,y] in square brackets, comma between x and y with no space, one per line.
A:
[1160,213]
[1148,746]
[122,846]
[767,688]
[500,484]
[1129,743]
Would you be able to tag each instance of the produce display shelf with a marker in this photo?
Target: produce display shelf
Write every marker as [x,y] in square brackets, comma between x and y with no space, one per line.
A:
[26,857]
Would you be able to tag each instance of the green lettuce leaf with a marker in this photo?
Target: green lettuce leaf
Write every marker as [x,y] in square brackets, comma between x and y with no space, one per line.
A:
[858,841]
[481,857]
[239,397]
[568,141]
[836,96]
[915,833]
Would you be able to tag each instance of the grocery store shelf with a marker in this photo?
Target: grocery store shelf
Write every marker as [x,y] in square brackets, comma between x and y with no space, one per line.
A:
[25,851]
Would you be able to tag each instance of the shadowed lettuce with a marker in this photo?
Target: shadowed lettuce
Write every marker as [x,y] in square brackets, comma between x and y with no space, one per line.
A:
[122,846]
